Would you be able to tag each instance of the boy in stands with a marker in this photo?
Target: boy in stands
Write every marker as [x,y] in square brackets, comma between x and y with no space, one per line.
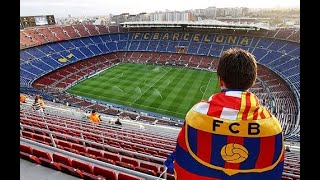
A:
[230,136]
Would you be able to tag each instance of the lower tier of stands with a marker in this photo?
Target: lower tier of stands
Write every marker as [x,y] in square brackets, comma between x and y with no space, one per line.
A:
[61,141]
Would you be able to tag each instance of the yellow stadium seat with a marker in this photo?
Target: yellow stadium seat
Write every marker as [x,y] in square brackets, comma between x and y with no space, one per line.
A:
[63,60]
[70,56]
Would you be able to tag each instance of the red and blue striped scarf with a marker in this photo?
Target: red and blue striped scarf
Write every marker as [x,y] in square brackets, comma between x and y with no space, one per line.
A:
[231,136]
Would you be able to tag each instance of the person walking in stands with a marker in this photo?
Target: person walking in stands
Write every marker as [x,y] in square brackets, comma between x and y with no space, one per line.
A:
[37,106]
[41,101]
[230,136]
[94,117]
[22,98]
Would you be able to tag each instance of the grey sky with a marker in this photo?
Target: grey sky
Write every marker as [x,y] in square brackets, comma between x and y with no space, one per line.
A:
[61,8]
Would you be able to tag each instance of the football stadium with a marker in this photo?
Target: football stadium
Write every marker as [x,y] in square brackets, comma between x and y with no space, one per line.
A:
[148,75]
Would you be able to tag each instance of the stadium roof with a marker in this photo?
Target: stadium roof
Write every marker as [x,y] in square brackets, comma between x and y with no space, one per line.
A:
[190,24]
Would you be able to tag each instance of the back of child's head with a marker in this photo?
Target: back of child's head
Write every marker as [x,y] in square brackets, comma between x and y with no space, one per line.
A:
[237,69]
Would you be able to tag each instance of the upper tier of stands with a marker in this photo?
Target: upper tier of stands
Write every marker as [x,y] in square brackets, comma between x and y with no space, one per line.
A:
[35,36]
[281,56]
[41,35]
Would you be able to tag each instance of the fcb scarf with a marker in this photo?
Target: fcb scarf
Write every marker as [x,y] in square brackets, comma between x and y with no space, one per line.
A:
[231,136]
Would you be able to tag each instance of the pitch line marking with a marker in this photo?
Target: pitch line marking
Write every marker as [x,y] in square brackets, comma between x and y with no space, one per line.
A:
[120,75]
[206,88]
[160,109]
[150,86]
[166,84]
[201,89]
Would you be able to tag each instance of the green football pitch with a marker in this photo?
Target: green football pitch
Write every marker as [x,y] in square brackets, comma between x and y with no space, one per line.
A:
[167,90]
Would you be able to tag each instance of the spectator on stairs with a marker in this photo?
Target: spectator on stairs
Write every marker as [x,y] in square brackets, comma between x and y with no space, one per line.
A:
[36,105]
[41,101]
[94,117]
[22,98]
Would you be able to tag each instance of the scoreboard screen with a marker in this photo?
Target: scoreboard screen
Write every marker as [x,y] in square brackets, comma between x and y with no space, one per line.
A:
[31,21]
[41,20]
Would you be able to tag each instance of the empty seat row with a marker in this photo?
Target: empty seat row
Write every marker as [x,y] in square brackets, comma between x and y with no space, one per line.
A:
[73,167]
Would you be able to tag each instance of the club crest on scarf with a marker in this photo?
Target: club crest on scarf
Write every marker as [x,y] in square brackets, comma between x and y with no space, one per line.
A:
[234,153]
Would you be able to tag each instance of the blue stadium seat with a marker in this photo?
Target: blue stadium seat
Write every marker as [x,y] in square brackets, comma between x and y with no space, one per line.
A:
[41,65]
[31,69]
[86,41]
[77,42]
[172,46]
[103,48]
[162,47]
[94,49]
[57,47]
[51,62]
[35,52]
[204,49]
[86,51]
[153,45]
[96,39]
[142,46]
[264,43]
[25,55]
[66,44]
[122,45]
[259,53]
[123,37]
[111,46]
[106,38]
[276,45]
[46,49]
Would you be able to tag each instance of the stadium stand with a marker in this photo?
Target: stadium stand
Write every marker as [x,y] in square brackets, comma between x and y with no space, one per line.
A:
[54,58]
[81,145]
